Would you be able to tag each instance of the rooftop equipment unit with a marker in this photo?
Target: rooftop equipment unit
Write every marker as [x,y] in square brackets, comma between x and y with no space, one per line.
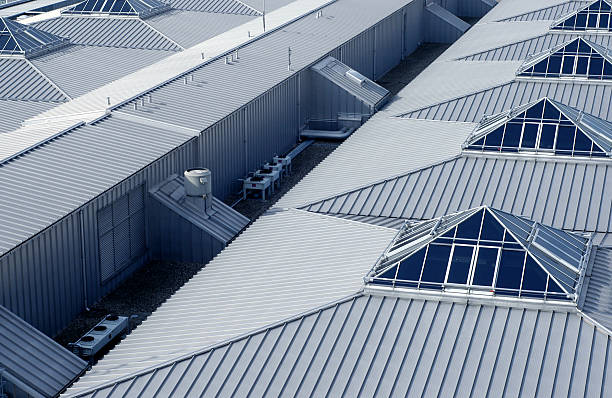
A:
[198,188]
[356,77]
[100,335]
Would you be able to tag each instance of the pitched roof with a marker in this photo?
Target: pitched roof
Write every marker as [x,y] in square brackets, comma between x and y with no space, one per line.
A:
[18,39]
[136,8]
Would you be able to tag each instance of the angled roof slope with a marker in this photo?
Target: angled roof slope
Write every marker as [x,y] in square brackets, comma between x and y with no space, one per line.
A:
[214,6]
[549,13]
[18,39]
[598,296]
[109,32]
[30,358]
[565,195]
[20,80]
[286,263]
[371,346]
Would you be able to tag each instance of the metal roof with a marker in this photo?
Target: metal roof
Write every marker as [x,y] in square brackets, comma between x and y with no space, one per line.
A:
[109,32]
[522,49]
[138,8]
[30,358]
[570,195]
[375,346]
[223,224]
[598,297]
[188,28]
[214,6]
[358,160]
[351,81]
[286,263]
[20,80]
[92,67]
[111,150]
[550,13]
[12,113]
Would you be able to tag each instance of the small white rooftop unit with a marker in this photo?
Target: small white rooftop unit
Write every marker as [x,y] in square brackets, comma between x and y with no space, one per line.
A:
[198,188]
[356,77]
[100,335]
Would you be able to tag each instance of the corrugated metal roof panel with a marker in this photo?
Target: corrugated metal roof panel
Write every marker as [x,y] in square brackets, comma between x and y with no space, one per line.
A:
[336,72]
[12,113]
[30,357]
[223,224]
[521,50]
[550,13]
[589,97]
[108,32]
[93,67]
[214,6]
[20,81]
[598,298]
[373,346]
[381,148]
[522,186]
[110,150]
[286,263]
[189,28]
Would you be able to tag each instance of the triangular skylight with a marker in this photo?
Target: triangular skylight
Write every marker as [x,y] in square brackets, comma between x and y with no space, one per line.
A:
[595,16]
[575,58]
[485,251]
[18,39]
[544,126]
[134,8]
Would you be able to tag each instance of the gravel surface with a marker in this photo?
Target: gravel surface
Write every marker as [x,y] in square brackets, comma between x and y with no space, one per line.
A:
[154,283]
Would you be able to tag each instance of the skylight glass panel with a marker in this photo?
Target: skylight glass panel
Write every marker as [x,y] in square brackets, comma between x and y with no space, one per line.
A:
[542,128]
[488,253]
[596,16]
[577,58]
[18,39]
[138,8]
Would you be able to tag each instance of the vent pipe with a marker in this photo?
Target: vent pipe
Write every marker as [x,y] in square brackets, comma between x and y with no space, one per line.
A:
[198,188]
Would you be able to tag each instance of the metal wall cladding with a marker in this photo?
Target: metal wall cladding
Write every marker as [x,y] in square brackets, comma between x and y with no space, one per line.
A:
[388,39]
[173,238]
[442,26]
[413,26]
[329,99]
[467,8]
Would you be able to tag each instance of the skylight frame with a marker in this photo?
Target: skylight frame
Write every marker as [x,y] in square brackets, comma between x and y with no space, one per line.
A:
[560,24]
[393,263]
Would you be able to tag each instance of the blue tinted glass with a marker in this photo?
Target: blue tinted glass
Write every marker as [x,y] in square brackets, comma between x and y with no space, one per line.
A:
[491,229]
[581,20]
[565,138]
[592,20]
[571,47]
[583,143]
[568,64]
[512,136]
[470,228]
[603,21]
[388,274]
[607,69]
[603,6]
[570,22]
[554,65]
[436,262]
[89,5]
[479,142]
[547,136]
[551,112]
[540,67]
[450,233]
[510,269]
[494,138]
[536,111]
[107,6]
[554,287]
[534,277]
[596,66]
[582,65]
[485,267]
[460,264]
[530,135]
[410,268]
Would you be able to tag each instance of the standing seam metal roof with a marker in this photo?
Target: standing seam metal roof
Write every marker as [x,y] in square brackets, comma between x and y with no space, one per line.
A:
[19,80]
[372,346]
[549,13]
[214,6]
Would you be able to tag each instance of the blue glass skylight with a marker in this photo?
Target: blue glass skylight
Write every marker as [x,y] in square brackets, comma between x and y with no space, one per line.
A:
[135,8]
[595,16]
[546,127]
[18,39]
[485,251]
[576,58]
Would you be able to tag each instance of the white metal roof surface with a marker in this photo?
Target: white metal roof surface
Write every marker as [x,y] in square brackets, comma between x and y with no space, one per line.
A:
[12,113]
[373,346]
[286,263]
[214,6]
[598,298]
[51,182]
[29,357]
[20,80]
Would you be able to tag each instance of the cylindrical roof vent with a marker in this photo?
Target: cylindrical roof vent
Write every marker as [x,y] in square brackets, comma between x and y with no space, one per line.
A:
[198,182]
